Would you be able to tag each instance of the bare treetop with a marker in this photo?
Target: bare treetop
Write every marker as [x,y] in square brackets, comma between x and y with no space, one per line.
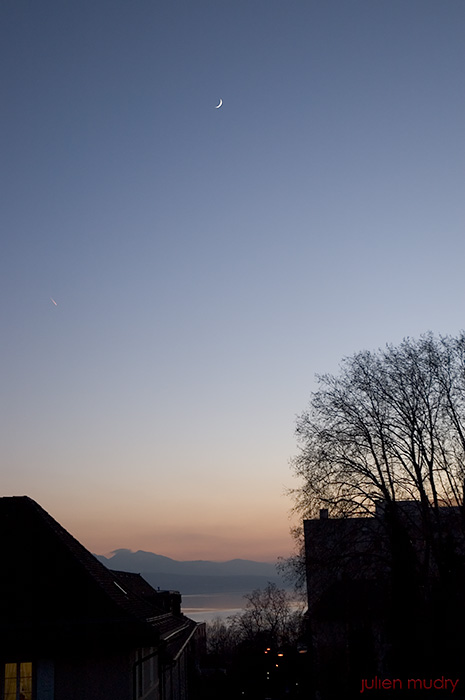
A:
[390,426]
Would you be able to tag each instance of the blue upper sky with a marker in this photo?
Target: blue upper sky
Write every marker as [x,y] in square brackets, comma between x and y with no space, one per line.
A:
[206,263]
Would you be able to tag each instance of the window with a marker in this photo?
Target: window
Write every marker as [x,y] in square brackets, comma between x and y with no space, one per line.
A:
[17,683]
[146,673]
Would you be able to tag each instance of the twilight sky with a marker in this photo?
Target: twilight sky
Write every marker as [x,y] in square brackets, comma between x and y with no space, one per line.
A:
[206,263]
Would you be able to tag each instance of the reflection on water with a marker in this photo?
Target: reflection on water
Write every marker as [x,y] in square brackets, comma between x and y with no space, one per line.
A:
[205,607]
[201,615]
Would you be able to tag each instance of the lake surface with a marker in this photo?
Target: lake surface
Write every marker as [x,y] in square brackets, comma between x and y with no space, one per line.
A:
[205,607]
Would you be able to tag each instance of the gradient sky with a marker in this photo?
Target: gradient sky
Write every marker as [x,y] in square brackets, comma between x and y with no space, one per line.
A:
[206,263]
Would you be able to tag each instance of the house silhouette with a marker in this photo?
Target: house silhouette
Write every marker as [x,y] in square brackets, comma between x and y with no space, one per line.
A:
[71,629]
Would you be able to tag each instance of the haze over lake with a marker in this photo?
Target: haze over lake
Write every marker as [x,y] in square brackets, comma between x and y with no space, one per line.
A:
[208,588]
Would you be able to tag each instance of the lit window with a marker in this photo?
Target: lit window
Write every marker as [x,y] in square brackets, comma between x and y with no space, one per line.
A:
[18,681]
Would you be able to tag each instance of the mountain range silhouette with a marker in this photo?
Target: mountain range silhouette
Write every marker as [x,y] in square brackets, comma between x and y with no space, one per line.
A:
[194,577]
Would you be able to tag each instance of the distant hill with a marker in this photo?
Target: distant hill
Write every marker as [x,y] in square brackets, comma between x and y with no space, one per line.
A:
[194,577]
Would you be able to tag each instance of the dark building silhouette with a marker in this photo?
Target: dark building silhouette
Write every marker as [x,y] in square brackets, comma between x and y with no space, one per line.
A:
[71,629]
[385,598]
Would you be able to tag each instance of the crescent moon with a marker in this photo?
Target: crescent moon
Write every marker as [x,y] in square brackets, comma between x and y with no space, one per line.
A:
[218,106]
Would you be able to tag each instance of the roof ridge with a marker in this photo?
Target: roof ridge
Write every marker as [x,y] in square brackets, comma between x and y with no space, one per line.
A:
[103,577]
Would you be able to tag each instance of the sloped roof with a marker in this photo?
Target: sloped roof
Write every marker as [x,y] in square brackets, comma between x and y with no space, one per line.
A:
[138,585]
[106,580]
[64,574]
[175,630]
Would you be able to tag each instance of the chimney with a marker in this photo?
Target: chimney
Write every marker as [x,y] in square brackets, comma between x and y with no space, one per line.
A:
[323,514]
